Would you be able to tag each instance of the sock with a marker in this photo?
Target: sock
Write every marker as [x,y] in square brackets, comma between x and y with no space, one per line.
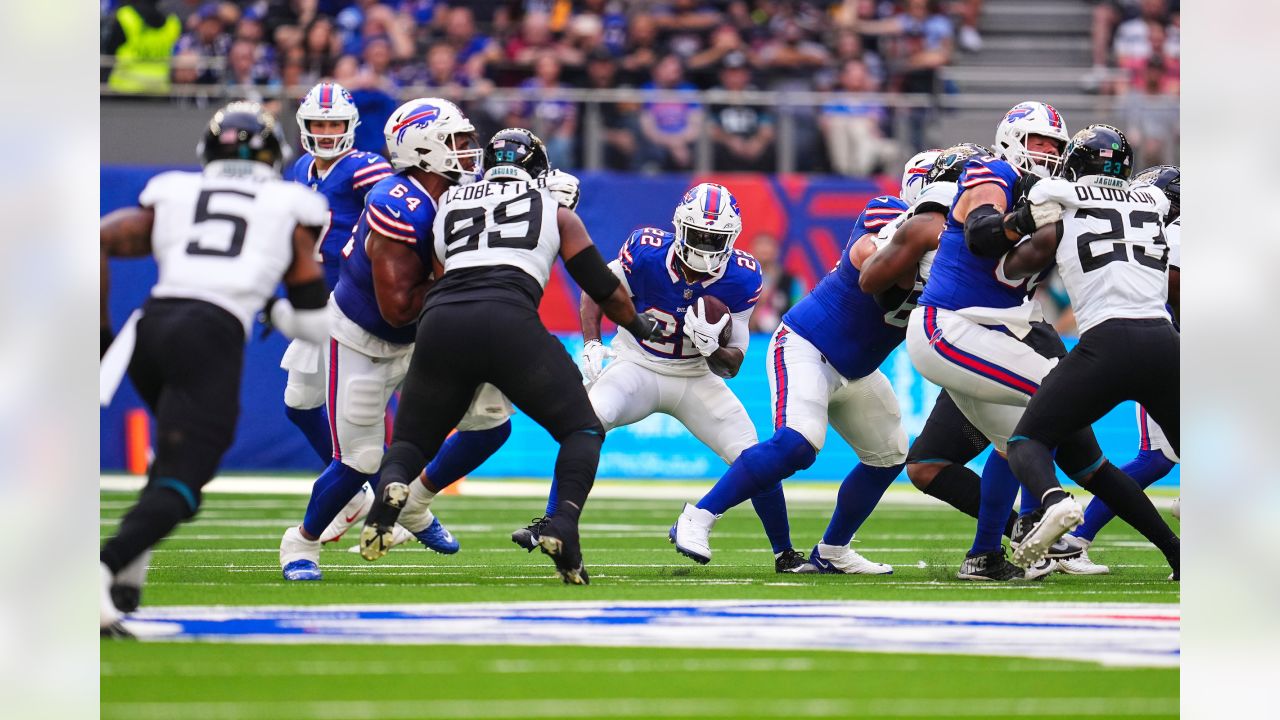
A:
[463,452]
[1030,503]
[771,506]
[758,469]
[331,491]
[157,512]
[999,490]
[314,424]
[961,488]
[1122,494]
[1032,463]
[553,499]
[859,494]
[1148,467]
[575,470]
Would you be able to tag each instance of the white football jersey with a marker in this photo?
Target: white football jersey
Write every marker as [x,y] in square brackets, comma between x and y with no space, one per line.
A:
[225,235]
[491,223]
[938,193]
[1173,233]
[1113,257]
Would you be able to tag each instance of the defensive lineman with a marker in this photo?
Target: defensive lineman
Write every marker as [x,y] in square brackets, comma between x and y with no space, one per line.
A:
[223,239]
[823,364]
[681,372]
[1112,255]
[495,243]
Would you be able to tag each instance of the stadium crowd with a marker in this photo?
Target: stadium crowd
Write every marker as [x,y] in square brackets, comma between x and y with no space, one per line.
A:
[378,49]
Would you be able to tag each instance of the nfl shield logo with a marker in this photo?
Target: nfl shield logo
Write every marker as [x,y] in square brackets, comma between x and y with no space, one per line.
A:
[688,294]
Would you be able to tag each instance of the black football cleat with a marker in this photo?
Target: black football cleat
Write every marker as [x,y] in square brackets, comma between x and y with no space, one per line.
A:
[990,566]
[791,561]
[559,539]
[378,535]
[116,631]
[1066,547]
[529,537]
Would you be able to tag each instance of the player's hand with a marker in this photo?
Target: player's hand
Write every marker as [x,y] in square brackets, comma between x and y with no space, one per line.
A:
[594,353]
[264,318]
[564,188]
[704,335]
[1055,189]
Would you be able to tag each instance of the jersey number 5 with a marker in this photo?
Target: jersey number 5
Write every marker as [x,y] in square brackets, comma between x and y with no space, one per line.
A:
[464,226]
[199,245]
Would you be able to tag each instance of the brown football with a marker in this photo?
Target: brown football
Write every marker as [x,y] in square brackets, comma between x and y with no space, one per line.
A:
[715,309]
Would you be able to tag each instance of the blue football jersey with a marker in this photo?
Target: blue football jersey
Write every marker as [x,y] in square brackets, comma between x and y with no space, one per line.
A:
[658,285]
[399,208]
[345,186]
[959,279]
[844,323]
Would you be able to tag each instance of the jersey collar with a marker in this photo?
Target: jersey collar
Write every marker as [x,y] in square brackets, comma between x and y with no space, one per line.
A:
[678,276]
[314,172]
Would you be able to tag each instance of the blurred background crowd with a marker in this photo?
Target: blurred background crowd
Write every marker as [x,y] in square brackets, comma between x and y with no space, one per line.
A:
[877,68]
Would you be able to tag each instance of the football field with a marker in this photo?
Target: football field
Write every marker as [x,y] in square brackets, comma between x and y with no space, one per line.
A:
[491,633]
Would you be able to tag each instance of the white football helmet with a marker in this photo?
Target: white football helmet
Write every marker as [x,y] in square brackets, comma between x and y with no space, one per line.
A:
[707,223]
[1030,118]
[913,175]
[423,133]
[328,101]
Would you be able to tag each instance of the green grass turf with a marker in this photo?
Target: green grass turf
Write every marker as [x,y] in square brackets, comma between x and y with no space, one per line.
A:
[229,556]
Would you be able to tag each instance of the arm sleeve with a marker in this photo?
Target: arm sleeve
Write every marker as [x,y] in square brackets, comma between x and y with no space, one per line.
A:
[741,323]
[309,325]
[616,267]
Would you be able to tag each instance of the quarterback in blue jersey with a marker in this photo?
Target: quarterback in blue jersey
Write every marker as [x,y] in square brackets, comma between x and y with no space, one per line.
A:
[823,364]
[972,335]
[681,372]
[327,120]
[385,273]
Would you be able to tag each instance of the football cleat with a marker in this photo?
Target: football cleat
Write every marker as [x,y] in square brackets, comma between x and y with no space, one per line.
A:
[1177,508]
[353,512]
[399,536]
[1066,547]
[126,592]
[1049,523]
[108,615]
[1082,565]
[692,533]
[790,561]
[528,537]
[116,630]
[990,566]
[299,557]
[436,537]
[378,536]
[559,539]
[842,560]
[1042,569]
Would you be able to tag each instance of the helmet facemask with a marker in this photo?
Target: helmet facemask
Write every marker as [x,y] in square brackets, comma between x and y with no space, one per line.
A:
[703,250]
[327,101]
[313,142]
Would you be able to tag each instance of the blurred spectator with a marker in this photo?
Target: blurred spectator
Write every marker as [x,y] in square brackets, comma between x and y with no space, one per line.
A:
[1151,118]
[1108,16]
[686,24]
[780,289]
[617,119]
[555,121]
[243,70]
[848,46]
[375,71]
[294,74]
[852,125]
[968,12]
[209,40]
[585,35]
[668,128]
[536,39]
[371,99]
[474,51]
[642,46]
[793,53]
[724,41]
[321,45]
[1142,38]
[742,134]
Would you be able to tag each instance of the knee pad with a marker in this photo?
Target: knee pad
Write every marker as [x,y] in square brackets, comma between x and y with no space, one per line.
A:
[889,457]
[363,460]
[781,456]
[364,402]
[303,396]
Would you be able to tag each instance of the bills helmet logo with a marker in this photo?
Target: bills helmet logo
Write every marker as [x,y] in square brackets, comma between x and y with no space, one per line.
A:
[421,117]
[1019,111]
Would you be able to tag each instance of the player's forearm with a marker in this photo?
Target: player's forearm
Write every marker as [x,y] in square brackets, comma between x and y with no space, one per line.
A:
[1032,256]
[888,267]
[726,361]
[590,314]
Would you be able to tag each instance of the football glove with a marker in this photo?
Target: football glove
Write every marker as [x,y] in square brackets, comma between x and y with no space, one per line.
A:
[564,188]
[264,318]
[594,353]
[1057,190]
[704,335]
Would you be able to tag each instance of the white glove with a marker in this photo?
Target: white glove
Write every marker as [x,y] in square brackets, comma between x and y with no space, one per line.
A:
[705,335]
[564,188]
[593,356]
[1055,189]
[1046,213]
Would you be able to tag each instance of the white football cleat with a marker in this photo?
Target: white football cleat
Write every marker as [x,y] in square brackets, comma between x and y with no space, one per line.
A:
[299,557]
[1177,508]
[692,533]
[108,615]
[353,512]
[1082,565]
[1054,521]
[842,560]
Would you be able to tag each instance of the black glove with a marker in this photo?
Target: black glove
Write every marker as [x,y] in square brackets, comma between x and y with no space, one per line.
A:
[1020,220]
[644,327]
[892,298]
[264,318]
[105,336]
[1025,182]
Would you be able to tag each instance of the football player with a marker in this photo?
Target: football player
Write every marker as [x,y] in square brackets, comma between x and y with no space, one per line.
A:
[1156,456]
[223,239]
[1111,252]
[824,361]
[680,373]
[494,246]
[971,333]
